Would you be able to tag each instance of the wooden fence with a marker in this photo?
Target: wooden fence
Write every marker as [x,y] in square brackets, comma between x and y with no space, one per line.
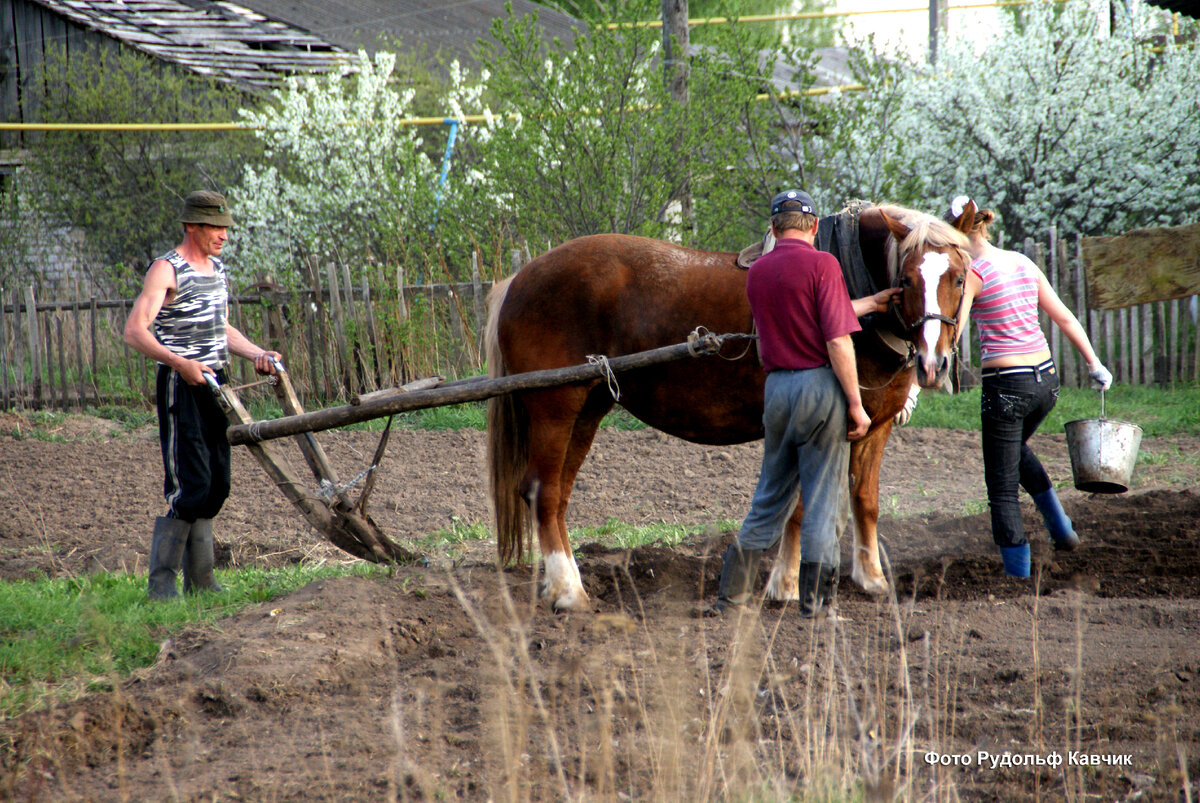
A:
[339,338]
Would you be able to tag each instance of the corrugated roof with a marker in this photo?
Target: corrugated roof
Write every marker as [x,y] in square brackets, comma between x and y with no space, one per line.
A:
[448,27]
[220,39]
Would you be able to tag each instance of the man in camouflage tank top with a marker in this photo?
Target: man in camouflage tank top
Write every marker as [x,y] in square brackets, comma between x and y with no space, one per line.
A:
[180,321]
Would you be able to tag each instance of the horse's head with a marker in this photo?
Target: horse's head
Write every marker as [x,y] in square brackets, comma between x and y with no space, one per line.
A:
[928,261]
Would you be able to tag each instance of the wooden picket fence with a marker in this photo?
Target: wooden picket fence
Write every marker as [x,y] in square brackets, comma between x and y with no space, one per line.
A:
[340,338]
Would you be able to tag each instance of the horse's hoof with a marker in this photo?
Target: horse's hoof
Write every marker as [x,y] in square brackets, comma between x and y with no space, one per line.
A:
[782,591]
[876,586]
[574,600]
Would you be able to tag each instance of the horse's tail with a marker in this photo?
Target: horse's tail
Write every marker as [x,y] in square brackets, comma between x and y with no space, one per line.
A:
[507,444]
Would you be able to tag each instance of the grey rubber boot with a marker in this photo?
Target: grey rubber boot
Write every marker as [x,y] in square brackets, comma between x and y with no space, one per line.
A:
[166,555]
[198,564]
[737,578]
[818,587]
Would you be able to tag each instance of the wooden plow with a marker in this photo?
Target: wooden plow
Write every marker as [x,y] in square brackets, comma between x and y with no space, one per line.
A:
[330,510]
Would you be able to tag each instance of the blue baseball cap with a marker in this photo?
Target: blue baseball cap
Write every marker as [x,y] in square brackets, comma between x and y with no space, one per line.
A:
[793,201]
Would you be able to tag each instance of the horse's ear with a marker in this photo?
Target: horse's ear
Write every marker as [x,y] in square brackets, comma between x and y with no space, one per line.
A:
[898,229]
[966,221]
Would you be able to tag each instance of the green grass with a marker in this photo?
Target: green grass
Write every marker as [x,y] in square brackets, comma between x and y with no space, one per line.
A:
[456,534]
[618,534]
[130,418]
[1157,412]
[63,637]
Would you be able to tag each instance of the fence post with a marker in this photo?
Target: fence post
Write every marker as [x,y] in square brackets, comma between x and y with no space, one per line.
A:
[78,347]
[1175,374]
[4,402]
[318,358]
[33,331]
[480,311]
[1135,341]
[18,351]
[381,372]
[62,358]
[339,331]
[1195,343]
[402,321]
[1075,273]
[1149,376]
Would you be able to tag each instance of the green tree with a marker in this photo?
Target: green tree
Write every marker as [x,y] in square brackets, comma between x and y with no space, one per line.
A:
[586,138]
[344,175]
[1052,122]
[123,189]
[814,32]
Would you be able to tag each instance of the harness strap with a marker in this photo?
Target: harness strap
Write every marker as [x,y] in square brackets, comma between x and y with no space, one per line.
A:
[838,235]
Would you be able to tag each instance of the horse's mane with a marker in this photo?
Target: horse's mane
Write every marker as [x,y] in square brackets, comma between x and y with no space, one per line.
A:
[925,231]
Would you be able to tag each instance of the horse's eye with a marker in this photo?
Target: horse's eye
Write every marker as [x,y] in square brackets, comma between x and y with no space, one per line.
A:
[905,282]
[960,281]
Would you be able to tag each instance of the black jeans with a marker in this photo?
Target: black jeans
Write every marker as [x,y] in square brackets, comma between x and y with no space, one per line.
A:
[1014,404]
[195,451]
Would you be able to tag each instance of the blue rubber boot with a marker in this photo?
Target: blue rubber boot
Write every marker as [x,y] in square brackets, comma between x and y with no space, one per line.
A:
[1061,530]
[1016,560]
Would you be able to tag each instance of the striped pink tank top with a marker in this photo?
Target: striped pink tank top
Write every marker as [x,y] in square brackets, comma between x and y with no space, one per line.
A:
[1006,309]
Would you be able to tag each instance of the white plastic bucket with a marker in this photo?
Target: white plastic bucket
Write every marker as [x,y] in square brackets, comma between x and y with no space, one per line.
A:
[1103,452]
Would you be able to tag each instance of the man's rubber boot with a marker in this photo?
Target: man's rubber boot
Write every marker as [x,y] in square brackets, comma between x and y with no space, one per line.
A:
[166,556]
[818,588]
[737,578]
[1062,532]
[1016,560]
[198,567]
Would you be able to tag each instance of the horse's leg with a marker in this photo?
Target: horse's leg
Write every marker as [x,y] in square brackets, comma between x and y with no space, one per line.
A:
[784,582]
[582,434]
[553,416]
[866,456]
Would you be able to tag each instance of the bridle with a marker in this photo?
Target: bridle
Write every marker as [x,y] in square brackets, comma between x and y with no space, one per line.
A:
[909,330]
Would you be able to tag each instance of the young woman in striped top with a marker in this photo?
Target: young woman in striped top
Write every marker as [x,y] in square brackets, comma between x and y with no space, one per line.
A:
[1004,292]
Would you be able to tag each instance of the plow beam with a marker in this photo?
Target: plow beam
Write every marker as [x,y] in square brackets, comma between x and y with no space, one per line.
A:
[467,390]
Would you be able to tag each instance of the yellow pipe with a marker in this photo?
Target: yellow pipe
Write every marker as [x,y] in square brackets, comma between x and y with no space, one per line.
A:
[470,118]
[124,127]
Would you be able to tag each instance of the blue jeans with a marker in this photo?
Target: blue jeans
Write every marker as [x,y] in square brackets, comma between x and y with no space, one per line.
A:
[1013,406]
[805,447]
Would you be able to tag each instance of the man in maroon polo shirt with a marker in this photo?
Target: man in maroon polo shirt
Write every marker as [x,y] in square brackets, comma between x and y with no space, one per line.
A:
[812,407]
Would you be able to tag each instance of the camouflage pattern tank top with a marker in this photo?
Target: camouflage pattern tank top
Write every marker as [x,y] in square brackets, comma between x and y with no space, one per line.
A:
[193,324]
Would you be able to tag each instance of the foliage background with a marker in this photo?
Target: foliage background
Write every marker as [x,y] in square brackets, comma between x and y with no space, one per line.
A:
[1050,122]
[111,199]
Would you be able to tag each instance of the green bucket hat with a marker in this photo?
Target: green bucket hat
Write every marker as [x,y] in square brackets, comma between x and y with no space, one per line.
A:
[205,206]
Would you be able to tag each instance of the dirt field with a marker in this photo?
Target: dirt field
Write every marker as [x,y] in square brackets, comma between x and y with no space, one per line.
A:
[447,680]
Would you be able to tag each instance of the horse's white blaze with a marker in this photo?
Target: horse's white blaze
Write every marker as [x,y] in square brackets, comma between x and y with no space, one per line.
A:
[563,586]
[933,267]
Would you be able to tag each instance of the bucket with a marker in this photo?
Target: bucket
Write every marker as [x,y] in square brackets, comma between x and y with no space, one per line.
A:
[1102,452]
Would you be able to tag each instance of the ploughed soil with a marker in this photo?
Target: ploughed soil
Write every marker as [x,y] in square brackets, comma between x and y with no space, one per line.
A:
[448,680]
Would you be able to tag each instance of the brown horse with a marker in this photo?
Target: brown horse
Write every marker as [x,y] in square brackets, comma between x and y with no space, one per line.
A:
[614,294]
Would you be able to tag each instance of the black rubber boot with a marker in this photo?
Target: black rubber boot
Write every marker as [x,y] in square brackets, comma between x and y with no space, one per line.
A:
[166,555]
[198,567]
[737,578]
[818,588]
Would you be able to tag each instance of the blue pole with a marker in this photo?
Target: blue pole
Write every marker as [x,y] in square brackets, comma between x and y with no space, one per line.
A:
[446,158]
